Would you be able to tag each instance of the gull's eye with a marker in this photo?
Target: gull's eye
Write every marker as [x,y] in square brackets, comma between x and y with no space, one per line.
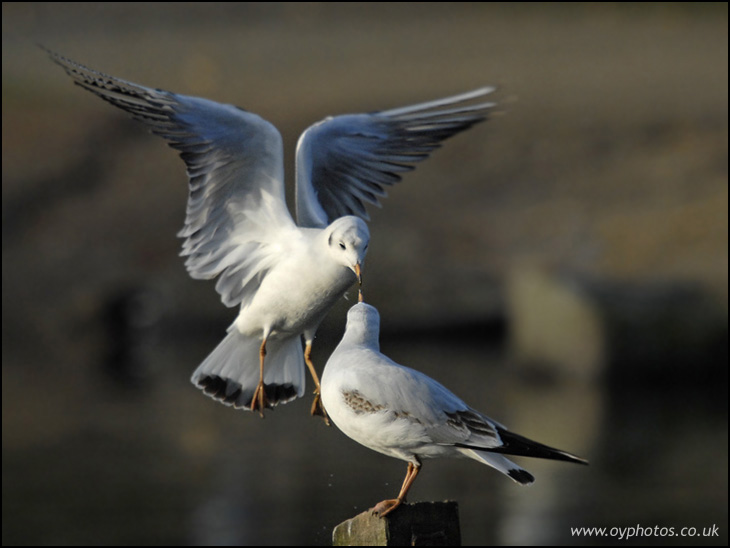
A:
[342,245]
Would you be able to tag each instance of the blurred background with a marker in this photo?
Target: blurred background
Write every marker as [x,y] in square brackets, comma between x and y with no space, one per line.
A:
[562,267]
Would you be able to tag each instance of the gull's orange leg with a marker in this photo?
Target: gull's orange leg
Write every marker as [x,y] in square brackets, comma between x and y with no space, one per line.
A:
[317,406]
[385,507]
[259,400]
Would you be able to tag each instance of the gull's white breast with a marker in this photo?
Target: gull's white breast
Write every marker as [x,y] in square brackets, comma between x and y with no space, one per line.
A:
[297,293]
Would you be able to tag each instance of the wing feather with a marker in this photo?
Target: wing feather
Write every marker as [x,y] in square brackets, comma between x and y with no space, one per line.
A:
[236,212]
[344,162]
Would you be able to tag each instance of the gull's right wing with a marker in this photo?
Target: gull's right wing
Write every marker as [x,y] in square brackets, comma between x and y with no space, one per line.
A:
[236,213]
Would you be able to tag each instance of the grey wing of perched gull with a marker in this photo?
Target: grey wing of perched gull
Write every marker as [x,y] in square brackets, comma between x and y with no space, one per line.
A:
[284,276]
[405,414]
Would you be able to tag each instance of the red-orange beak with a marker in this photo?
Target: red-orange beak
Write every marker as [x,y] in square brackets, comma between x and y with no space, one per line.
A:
[358,273]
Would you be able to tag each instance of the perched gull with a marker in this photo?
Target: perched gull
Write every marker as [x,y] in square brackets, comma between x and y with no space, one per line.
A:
[402,413]
[284,275]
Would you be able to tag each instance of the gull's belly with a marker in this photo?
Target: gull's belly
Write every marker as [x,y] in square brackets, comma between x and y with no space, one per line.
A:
[382,432]
[379,429]
[289,300]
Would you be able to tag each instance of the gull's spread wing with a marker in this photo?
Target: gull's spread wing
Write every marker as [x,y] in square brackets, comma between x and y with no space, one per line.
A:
[344,161]
[236,211]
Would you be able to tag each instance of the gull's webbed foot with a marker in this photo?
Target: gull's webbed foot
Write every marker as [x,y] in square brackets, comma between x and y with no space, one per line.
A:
[385,507]
[259,402]
[318,408]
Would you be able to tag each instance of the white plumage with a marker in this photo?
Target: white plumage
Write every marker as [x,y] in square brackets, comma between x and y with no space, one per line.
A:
[284,276]
[405,414]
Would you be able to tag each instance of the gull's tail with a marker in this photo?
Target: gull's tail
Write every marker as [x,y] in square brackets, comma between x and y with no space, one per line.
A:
[231,372]
[514,444]
[501,464]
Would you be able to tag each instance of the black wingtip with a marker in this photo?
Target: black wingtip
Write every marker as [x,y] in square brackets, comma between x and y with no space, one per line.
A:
[514,444]
[57,57]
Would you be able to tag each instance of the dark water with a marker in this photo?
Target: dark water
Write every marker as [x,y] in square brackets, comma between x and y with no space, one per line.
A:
[97,462]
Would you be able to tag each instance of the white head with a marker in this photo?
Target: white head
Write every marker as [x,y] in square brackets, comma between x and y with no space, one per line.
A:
[348,239]
[363,326]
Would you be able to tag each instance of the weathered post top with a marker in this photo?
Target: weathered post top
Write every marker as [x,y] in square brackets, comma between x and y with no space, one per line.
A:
[419,524]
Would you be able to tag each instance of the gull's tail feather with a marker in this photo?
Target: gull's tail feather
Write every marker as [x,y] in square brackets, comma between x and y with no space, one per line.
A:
[501,464]
[231,372]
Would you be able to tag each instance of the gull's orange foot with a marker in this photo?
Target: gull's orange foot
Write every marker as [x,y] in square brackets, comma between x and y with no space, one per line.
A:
[385,507]
[259,401]
[318,408]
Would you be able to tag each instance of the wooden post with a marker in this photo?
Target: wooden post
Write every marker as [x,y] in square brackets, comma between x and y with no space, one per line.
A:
[419,524]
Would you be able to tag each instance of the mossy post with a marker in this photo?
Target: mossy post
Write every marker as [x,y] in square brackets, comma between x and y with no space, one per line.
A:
[419,524]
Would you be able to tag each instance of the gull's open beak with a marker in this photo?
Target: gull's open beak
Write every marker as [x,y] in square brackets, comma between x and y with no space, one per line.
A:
[358,273]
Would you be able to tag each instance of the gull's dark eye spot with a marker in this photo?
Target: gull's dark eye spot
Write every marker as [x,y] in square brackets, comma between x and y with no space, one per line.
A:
[342,246]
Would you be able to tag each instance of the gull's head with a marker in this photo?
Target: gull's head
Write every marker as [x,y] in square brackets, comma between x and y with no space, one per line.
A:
[348,239]
[363,325]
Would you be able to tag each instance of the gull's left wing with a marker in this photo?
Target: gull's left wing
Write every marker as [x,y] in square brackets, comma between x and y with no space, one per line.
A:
[345,161]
